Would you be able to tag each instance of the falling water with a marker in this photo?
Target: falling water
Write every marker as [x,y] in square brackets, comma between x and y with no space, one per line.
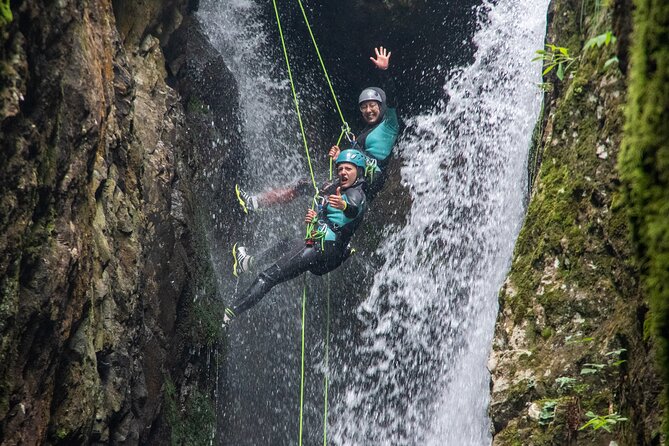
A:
[417,373]
[431,311]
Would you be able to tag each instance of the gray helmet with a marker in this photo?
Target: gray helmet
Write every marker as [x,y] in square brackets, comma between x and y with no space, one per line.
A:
[372,94]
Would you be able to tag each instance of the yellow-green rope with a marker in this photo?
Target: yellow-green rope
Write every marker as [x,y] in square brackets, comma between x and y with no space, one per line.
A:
[292,88]
[325,72]
[304,312]
[327,365]
[345,131]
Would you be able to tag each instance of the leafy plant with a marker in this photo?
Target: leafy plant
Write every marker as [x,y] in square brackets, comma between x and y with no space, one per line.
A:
[555,57]
[591,369]
[616,353]
[547,414]
[571,340]
[611,61]
[565,382]
[600,40]
[605,422]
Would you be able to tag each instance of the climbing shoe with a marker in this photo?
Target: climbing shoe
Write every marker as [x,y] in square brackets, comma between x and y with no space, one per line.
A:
[247,201]
[241,260]
[227,317]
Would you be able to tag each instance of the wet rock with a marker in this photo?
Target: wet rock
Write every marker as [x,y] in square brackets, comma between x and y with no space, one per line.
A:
[571,301]
[91,144]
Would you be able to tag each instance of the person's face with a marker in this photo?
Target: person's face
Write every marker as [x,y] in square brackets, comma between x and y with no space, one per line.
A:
[347,173]
[370,111]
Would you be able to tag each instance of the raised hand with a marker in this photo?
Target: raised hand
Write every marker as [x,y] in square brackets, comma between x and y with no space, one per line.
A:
[382,60]
[336,201]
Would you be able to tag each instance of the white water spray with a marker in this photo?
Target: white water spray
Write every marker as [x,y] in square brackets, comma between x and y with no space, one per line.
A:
[431,312]
[237,30]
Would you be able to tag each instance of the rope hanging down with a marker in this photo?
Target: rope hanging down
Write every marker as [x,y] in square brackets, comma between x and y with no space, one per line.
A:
[295,101]
[345,128]
[345,131]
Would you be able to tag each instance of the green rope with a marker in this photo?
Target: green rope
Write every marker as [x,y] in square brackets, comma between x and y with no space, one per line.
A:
[345,131]
[325,72]
[327,365]
[292,88]
[341,135]
[304,312]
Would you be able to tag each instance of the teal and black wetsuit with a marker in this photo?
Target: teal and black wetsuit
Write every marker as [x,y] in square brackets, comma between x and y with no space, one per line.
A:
[324,251]
[376,141]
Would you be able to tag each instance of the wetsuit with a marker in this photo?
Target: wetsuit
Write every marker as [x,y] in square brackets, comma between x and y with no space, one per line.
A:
[324,251]
[376,141]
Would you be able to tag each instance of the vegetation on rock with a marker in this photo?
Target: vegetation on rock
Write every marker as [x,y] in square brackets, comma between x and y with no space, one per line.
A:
[569,361]
[644,167]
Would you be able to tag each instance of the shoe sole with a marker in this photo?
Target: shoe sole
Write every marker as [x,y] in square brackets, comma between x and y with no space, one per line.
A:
[234,257]
[242,203]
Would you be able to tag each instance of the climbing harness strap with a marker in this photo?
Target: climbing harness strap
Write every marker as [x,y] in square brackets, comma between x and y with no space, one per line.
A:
[370,167]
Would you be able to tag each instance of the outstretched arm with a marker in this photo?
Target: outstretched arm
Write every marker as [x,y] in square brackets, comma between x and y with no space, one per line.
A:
[386,80]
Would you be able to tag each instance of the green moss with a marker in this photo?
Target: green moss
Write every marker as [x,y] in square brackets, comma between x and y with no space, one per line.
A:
[509,436]
[547,332]
[193,422]
[61,433]
[644,165]
[206,318]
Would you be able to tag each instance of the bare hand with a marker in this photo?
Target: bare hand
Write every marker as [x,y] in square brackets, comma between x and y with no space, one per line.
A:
[311,214]
[334,152]
[336,201]
[382,60]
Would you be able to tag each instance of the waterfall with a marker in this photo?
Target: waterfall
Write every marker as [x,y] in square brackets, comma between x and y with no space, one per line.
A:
[431,311]
[417,373]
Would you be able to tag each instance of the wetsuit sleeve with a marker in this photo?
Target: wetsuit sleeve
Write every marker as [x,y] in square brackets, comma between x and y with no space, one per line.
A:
[388,85]
[355,202]
[329,187]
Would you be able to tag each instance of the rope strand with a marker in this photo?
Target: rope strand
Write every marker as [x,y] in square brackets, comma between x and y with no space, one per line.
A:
[320,58]
[292,88]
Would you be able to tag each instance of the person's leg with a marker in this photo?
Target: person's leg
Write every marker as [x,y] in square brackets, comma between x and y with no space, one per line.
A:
[244,261]
[332,257]
[273,196]
[295,262]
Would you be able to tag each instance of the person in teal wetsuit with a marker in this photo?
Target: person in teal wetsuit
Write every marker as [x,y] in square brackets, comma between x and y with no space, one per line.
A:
[378,137]
[375,141]
[331,225]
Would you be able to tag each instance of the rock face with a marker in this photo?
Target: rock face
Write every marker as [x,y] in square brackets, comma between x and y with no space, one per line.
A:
[571,344]
[645,170]
[98,252]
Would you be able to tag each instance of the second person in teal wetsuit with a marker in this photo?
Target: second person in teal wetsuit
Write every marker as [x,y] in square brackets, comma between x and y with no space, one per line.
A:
[375,141]
[331,226]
